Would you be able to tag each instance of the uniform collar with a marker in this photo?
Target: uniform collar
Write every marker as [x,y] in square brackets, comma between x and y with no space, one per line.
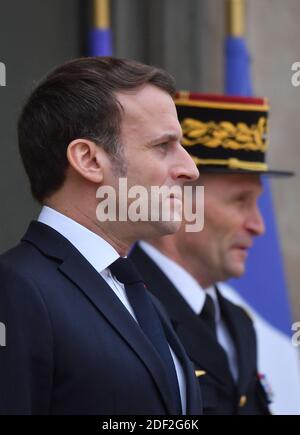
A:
[183,281]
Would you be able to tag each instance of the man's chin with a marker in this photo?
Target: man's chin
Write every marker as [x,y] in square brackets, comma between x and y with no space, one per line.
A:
[168,227]
[237,270]
[237,263]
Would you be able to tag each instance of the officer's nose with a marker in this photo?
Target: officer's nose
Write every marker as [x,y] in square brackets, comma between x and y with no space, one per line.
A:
[255,222]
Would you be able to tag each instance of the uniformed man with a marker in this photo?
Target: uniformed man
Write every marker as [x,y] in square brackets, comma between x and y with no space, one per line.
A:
[226,136]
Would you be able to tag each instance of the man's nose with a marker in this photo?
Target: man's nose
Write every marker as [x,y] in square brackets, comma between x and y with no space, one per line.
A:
[255,222]
[185,167]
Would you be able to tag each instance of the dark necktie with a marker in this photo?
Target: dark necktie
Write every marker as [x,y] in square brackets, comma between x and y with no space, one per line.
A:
[208,314]
[125,272]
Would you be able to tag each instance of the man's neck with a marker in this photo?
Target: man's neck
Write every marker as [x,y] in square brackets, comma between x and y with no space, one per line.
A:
[93,225]
[189,264]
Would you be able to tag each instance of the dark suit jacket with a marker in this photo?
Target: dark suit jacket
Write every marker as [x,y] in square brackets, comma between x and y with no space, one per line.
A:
[71,345]
[221,395]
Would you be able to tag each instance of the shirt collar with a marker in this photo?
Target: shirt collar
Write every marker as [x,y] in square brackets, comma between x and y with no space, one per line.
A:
[99,253]
[184,282]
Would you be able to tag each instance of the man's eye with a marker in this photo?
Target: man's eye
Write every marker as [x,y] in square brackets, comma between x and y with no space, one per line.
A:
[163,144]
[241,198]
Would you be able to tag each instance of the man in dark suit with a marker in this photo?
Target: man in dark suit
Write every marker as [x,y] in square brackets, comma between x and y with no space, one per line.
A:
[227,139]
[79,321]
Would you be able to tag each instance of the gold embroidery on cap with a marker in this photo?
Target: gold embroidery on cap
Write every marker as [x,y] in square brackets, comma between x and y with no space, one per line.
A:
[225,134]
[232,163]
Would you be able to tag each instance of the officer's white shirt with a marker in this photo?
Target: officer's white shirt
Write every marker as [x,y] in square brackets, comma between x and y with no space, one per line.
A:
[100,254]
[194,295]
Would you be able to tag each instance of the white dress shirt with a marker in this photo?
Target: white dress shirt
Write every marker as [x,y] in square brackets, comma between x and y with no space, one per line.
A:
[100,254]
[194,295]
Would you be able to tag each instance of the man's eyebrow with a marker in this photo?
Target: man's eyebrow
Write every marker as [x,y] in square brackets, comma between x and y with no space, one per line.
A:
[247,191]
[169,137]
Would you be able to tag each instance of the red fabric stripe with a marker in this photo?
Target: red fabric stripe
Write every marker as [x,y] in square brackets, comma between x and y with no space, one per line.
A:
[223,98]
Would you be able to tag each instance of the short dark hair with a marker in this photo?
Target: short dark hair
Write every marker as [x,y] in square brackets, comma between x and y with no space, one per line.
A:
[77,100]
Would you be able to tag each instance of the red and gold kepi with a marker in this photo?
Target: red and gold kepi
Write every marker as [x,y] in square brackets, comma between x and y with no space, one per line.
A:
[225,134]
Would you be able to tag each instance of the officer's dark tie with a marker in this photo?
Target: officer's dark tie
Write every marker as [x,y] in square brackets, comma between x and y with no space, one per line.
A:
[125,272]
[208,314]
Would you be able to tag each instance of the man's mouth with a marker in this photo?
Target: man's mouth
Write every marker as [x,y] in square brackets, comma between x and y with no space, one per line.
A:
[172,196]
[243,247]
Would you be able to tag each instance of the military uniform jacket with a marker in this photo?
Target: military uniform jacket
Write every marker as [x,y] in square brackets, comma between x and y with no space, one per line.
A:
[221,394]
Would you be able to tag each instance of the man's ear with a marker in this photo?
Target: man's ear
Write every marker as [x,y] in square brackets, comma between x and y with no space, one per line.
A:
[87,159]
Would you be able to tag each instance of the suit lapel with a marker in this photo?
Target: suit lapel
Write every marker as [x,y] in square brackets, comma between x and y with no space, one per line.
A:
[198,341]
[74,266]
[238,326]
